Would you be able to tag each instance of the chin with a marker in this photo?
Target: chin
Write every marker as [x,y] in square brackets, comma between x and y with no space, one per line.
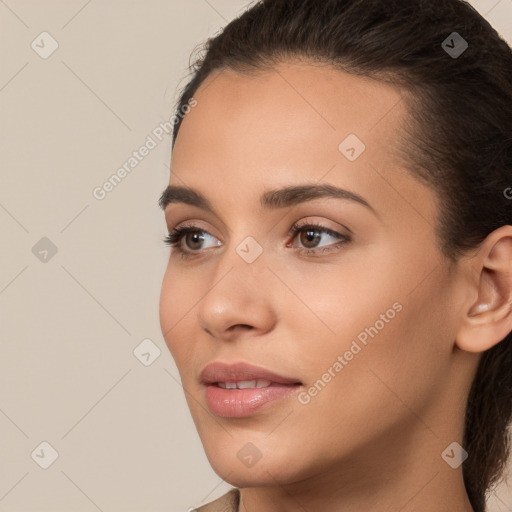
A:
[260,463]
[261,474]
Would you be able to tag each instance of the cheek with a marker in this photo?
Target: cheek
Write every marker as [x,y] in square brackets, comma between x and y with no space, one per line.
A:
[396,372]
[392,343]
[395,351]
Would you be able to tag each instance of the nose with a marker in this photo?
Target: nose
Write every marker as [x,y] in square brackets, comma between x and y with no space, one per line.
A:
[239,301]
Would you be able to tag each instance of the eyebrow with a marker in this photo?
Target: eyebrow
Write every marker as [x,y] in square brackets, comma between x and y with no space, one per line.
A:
[271,199]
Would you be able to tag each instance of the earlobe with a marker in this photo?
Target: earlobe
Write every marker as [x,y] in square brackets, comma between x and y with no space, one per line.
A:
[479,308]
[488,319]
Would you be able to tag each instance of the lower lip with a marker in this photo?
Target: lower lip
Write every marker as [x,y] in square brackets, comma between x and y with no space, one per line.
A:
[239,403]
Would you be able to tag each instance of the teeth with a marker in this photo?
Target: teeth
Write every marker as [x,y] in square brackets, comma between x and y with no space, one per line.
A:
[245,384]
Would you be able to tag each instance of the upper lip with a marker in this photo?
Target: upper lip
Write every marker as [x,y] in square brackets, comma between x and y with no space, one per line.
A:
[222,372]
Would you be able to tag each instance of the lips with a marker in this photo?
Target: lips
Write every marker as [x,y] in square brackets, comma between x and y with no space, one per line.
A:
[242,390]
[216,373]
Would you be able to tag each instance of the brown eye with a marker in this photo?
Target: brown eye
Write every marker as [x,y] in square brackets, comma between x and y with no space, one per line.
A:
[310,238]
[193,240]
[188,240]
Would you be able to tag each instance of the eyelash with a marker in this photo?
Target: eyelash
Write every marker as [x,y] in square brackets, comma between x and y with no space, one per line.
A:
[173,239]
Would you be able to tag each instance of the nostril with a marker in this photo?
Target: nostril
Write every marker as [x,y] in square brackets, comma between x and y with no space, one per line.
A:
[243,326]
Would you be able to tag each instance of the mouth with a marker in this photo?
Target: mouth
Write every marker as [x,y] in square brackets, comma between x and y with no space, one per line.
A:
[246,384]
[241,390]
[242,373]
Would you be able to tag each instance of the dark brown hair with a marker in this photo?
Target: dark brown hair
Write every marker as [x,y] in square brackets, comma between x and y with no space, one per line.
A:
[457,137]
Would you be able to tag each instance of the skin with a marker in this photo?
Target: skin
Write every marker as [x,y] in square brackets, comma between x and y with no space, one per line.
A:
[372,439]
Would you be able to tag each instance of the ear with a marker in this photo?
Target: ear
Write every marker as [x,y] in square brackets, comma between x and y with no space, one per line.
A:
[488,319]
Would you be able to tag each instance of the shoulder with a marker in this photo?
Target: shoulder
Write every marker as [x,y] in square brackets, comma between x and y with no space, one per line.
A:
[227,503]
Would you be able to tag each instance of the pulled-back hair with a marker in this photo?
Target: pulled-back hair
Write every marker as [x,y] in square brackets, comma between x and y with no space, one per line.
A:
[457,137]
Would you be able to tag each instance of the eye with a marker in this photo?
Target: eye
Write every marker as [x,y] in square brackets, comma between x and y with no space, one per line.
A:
[189,240]
[310,236]
[192,236]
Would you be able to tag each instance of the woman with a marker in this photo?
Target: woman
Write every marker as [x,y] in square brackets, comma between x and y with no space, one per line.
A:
[339,288]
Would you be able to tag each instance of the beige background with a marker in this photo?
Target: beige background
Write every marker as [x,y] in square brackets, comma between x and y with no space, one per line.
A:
[69,325]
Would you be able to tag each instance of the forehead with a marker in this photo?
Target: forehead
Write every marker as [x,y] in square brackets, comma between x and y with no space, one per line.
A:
[295,108]
[295,123]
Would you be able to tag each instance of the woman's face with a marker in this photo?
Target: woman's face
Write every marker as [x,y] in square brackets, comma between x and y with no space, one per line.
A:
[354,316]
